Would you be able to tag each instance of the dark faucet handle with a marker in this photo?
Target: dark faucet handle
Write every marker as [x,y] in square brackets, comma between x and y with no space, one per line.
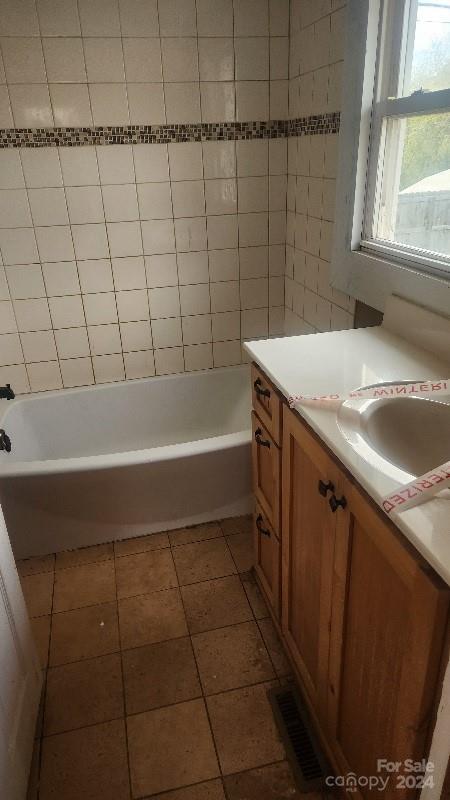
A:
[11,394]
[5,441]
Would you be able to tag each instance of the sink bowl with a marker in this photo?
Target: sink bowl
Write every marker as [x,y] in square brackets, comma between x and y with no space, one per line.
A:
[404,437]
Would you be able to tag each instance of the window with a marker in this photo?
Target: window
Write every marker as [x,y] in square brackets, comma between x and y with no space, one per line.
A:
[408,202]
[393,228]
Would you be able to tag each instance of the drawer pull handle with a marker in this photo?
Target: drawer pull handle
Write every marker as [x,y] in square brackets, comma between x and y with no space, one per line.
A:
[262,530]
[258,390]
[262,442]
[335,503]
[324,488]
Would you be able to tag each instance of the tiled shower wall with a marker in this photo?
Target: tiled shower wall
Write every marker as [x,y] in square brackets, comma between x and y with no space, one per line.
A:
[317,39]
[122,261]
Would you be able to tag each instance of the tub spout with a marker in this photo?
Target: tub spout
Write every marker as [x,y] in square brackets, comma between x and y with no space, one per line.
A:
[6,392]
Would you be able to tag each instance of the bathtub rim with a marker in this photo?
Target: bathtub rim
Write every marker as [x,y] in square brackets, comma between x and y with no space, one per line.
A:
[116,460]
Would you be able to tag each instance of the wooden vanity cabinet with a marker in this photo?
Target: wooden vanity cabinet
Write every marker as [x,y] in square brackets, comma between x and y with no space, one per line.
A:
[363,617]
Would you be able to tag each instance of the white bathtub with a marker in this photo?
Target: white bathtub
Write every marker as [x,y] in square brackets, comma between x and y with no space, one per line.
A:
[109,462]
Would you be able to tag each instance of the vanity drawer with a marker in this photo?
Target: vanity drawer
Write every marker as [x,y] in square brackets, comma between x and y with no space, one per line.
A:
[266,458]
[267,403]
[267,558]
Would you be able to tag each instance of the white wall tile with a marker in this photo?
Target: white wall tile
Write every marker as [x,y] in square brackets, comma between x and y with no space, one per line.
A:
[108,368]
[116,164]
[41,167]
[38,346]
[76,372]
[221,196]
[138,18]
[132,305]
[252,58]
[218,100]
[182,102]
[48,206]
[72,342]
[95,275]
[185,161]
[222,231]
[100,18]
[216,59]
[177,18]
[251,17]
[190,234]
[225,296]
[158,236]
[193,267]
[161,270]
[18,246]
[44,376]
[167,332]
[30,104]
[11,174]
[6,117]
[215,17]
[219,159]
[226,326]
[164,302]
[136,335]
[198,356]
[104,60]
[146,103]
[7,318]
[197,329]
[64,60]
[120,202]
[139,365]
[10,349]
[23,60]
[223,265]
[31,315]
[79,166]
[100,309]
[195,299]
[55,243]
[226,354]
[188,198]
[180,59]
[90,241]
[84,204]
[124,238]
[71,105]
[19,19]
[109,103]
[14,209]
[142,60]
[155,200]
[66,312]
[25,281]
[58,17]
[129,273]
[104,339]
[253,194]
[151,163]
[169,360]
[253,229]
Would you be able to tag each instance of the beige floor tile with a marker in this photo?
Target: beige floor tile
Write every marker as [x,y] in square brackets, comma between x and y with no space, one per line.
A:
[198,533]
[231,657]
[84,633]
[144,573]
[151,618]
[38,592]
[244,729]
[141,544]
[87,585]
[275,648]
[234,525]
[84,693]
[170,747]
[203,561]
[254,595]
[212,790]
[87,764]
[41,633]
[241,546]
[159,675]
[33,566]
[84,555]
[274,782]
[214,604]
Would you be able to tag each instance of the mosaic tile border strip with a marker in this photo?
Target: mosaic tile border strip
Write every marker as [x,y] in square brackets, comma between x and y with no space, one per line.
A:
[163,134]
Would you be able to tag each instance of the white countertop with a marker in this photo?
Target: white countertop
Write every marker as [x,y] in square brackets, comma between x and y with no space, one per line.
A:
[339,362]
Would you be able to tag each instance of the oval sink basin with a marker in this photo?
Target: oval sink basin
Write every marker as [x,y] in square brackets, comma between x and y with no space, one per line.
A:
[404,437]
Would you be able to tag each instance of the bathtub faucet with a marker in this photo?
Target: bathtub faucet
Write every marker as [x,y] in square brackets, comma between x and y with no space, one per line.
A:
[5,441]
[6,392]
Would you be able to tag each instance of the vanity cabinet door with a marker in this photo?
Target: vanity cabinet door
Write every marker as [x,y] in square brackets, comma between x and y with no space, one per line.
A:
[266,459]
[307,545]
[388,629]
[267,558]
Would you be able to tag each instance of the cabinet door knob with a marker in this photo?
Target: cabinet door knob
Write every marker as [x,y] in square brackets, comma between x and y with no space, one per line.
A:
[262,530]
[258,390]
[324,488]
[262,442]
[335,503]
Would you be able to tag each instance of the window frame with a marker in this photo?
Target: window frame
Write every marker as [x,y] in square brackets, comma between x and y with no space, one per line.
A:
[366,269]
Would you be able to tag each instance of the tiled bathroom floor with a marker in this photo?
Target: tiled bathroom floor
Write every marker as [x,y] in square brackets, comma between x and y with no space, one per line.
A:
[158,653]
